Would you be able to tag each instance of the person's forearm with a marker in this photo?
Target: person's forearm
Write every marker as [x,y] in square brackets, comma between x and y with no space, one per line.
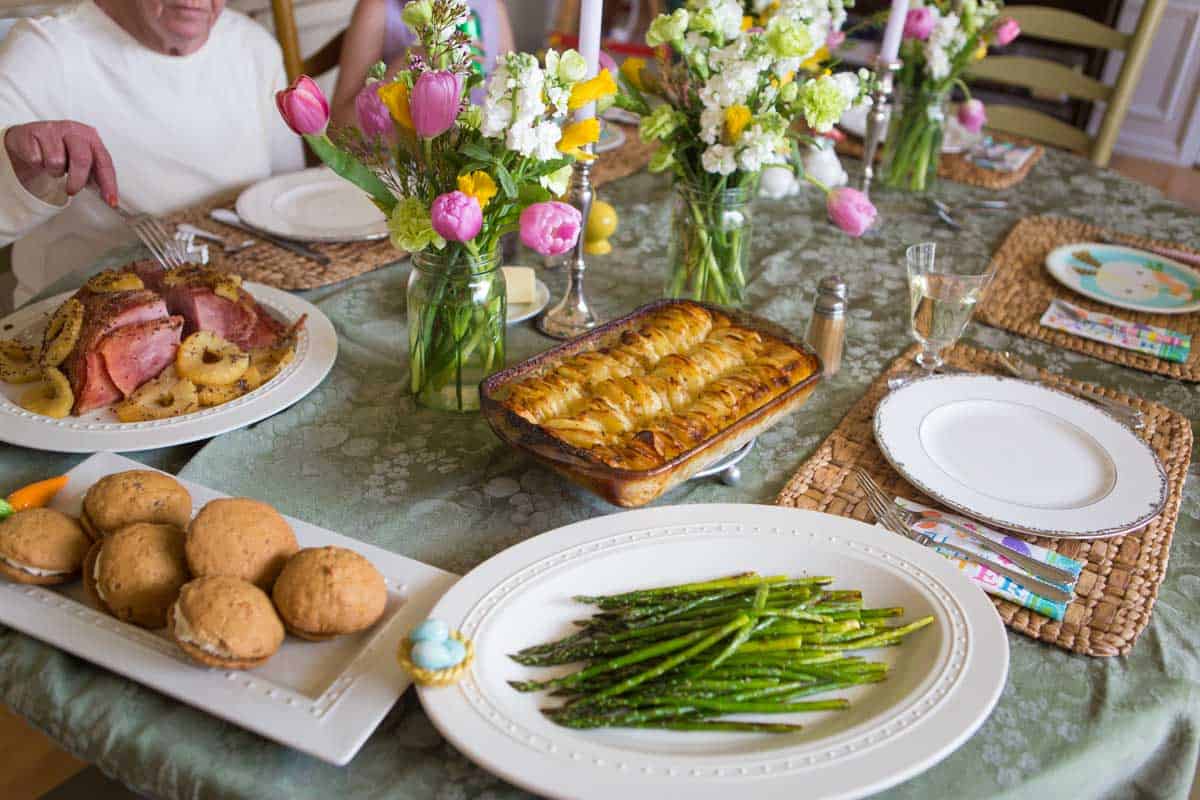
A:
[24,207]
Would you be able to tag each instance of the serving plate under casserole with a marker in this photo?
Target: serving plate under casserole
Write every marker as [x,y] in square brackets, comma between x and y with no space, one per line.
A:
[628,487]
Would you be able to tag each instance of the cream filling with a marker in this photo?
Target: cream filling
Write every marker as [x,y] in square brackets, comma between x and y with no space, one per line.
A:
[37,572]
[185,634]
[96,578]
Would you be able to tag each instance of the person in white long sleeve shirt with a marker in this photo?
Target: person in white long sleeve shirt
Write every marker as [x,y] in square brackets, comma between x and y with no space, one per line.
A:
[159,104]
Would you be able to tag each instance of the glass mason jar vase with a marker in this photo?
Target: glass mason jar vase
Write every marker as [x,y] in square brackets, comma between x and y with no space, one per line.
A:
[914,140]
[456,325]
[709,249]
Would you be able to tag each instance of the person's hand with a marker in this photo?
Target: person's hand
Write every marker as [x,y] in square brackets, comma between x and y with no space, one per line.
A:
[58,148]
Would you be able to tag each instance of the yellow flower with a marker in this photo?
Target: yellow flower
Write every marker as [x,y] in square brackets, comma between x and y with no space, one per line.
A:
[767,13]
[395,96]
[813,63]
[788,77]
[591,90]
[479,185]
[736,120]
[747,23]
[576,135]
[980,52]
[631,71]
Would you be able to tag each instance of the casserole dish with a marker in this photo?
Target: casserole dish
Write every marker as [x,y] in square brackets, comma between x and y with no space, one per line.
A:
[636,487]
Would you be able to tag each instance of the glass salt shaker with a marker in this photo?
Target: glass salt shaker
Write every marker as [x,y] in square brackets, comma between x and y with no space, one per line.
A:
[827,328]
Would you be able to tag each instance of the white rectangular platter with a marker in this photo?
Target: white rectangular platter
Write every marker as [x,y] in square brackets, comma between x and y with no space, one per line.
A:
[324,699]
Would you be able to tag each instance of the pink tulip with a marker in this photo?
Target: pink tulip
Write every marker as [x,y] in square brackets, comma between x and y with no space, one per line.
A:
[373,117]
[972,116]
[850,210]
[303,106]
[1007,30]
[834,40]
[434,102]
[550,228]
[919,23]
[456,216]
[607,62]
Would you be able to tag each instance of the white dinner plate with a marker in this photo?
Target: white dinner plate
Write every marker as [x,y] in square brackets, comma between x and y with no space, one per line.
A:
[313,205]
[1126,277]
[322,698]
[1021,456]
[955,138]
[944,681]
[519,312]
[316,350]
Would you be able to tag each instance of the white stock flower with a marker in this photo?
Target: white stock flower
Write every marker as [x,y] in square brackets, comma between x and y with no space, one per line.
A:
[944,43]
[546,134]
[719,160]
[711,120]
[758,148]
[497,115]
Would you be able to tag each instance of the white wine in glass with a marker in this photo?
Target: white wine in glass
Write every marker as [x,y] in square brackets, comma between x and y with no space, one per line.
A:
[942,301]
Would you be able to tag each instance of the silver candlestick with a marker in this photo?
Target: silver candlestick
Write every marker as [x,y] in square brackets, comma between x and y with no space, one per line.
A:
[878,116]
[572,315]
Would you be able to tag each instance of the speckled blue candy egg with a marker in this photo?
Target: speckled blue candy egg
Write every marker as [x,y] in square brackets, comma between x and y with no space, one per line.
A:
[456,650]
[432,655]
[431,630]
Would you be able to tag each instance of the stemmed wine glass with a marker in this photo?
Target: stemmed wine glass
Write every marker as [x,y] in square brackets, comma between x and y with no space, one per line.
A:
[943,295]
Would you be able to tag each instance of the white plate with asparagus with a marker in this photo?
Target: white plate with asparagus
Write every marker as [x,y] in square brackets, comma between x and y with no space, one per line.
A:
[698,649]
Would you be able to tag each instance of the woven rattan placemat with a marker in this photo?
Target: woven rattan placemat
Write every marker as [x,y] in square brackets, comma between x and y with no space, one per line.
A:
[958,168]
[274,266]
[1121,576]
[1023,288]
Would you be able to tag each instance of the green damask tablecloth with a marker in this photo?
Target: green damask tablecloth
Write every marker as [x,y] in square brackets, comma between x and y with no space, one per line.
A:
[357,457]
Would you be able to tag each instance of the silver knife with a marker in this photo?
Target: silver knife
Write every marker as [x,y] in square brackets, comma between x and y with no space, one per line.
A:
[1035,585]
[1039,569]
[227,217]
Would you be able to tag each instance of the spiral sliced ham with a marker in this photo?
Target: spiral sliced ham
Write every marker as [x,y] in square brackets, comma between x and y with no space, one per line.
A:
[129,337]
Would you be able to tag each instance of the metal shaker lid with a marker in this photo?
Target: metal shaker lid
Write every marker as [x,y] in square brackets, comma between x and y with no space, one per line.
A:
[831,296]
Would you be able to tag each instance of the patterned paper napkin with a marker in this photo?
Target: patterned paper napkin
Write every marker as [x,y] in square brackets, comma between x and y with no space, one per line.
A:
[1099,327]
[1000,156]
[941,526]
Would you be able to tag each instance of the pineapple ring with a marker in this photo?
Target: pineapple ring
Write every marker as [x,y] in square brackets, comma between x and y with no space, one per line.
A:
[219,395]
[165,396]
[224,284]
[114,281]
[52,397]
[207,359]
[18,363]
[266,363]
[62,333]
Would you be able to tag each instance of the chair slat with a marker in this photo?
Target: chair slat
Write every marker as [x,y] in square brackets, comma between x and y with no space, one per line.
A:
[1067,27]
[1040,74]
[1039,126]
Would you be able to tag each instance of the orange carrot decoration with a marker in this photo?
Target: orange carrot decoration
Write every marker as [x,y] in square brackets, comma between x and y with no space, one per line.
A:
[37,495]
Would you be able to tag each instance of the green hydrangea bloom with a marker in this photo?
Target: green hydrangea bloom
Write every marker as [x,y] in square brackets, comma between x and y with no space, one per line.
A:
[667,28]
[417,13]
[822,103]
[661,123]
[411,228]
[788,39]
[556,182]
[571,67]
[663,159]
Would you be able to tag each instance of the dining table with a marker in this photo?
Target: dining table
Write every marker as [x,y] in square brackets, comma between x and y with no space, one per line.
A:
[358,456]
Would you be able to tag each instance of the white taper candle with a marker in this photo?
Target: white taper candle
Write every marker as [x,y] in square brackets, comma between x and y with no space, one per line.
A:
[590,16]
[894,32]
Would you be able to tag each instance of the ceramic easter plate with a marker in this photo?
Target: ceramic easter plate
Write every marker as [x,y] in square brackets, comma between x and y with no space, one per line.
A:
[1126,277]
[519,312]
[316,350]
[322,698]
[611,137]
[944,681]
[1020,456]
[313,205]
[955,139]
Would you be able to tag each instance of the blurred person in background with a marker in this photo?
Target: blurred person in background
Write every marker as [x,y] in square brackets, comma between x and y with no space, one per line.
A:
[155,104]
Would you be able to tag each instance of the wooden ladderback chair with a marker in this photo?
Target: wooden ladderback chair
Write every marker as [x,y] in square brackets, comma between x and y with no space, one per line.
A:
[294,63]
[1039,74]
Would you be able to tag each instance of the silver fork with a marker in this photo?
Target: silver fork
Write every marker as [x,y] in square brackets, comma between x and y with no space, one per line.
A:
[152,233]
[886,512]
[1127,415]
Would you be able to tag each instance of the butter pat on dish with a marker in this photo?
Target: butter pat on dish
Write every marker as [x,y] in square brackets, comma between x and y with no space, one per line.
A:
[520,284]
